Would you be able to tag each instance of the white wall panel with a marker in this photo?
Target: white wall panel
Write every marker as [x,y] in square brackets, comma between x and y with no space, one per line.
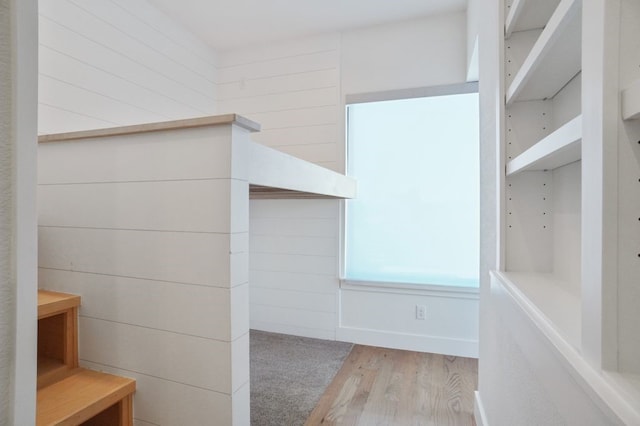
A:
[302,117]
[57,65]
[281,101]
[293,266]
[159,253]
[298,298]
[119,63]
[159,205]
[165,30]
[122,17]
[184,257]
[60,38]
[294,64]
[423,52]
[318,153]
[164,402]
[293,209]
[54,120]
[321,265]
[293,245]
[101,23]
[288,226]
[292,89]
[293,281]
[279,84]
[283,49]
[197,361]
[446,316]
[159,305]
[320,134]
[68,96]
[197,153]
[302,319]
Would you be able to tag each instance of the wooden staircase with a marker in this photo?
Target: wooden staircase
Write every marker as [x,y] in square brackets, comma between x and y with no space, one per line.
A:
[68,394]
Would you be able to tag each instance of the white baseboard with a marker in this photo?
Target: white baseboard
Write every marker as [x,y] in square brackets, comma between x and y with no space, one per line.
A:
[410,342]
[478,411]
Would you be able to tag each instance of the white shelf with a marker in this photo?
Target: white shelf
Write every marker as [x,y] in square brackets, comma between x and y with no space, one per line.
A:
[527,15]
[626,402]
[631,102]
[554,59]
[545,299]
[561,147]
[274,174]
[557,313]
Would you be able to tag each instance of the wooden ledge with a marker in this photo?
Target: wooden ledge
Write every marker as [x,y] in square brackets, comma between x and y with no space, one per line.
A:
[213,120]
[51,302]
[80,397]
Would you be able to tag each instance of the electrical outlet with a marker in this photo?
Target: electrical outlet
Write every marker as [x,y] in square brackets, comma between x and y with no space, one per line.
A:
[421,312]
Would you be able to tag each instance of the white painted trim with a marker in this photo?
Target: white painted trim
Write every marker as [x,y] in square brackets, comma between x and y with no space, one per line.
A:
[434,290]
[417,92]
[478,411]
[25,84]
[631,102]
[409,342]
[271,168]
[606,390]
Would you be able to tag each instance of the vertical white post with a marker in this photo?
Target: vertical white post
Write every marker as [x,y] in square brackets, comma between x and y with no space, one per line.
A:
[239,269]
[600,112]
[24,82]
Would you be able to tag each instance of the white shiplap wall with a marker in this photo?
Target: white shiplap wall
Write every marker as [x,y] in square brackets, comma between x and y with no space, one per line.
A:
[293,90]
[117,62]
[105,63]
[296,89]
[151,230]
[293,264]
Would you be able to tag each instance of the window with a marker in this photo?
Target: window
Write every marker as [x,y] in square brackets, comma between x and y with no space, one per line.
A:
[416,217]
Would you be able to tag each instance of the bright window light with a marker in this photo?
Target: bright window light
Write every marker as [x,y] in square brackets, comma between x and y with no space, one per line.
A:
[416,217]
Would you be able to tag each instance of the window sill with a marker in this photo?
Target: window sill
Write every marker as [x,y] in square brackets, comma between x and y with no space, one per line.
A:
[409,288]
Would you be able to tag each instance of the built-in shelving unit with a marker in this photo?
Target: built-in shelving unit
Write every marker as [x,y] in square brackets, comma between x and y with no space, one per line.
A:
[554,59]
[571,194]
[631,102]
[543,148]
[560,148]
[525,15]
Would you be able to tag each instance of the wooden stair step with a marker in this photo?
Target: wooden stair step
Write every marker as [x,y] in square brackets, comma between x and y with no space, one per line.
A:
[51,302]
[83,396]
[57,336]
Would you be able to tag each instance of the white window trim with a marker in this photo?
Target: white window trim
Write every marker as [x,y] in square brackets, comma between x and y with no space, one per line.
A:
[434,290]
[417,92]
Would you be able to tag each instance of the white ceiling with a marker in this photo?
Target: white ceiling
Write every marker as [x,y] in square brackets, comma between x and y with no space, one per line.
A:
[232,23]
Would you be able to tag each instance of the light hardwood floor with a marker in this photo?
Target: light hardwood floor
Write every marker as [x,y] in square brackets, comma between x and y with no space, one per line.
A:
[378,386]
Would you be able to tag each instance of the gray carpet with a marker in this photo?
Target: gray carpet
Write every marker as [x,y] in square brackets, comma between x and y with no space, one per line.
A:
[289,374]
